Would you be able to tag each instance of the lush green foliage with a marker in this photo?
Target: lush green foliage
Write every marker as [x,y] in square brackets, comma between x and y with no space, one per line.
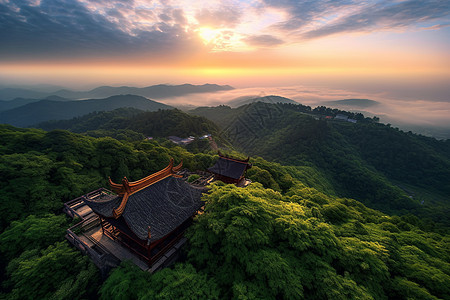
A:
[256,243]
[288,235]
[44,170]
[45,110]
[405,157]
[160,123]
[58,272]
[182,282]
[39,265]
[193,177]
[367,161]
[31,233]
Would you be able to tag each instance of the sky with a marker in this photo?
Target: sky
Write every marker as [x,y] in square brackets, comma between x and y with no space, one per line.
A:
[396,49]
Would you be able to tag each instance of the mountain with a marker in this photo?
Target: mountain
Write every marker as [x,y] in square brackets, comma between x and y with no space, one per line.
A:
[266,99]
[161,123]
[359,103]
[278,238]
[45,110]
[57,98]
[17,102]
[46,88]
[381,166]
[10,104]
[221,115]
[156,91]
[12,93]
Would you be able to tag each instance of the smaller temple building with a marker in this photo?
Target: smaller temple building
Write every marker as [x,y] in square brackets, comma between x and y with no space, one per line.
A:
[230,170]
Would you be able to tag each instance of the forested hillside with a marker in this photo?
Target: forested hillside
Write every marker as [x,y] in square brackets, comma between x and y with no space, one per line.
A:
[160,123]
[383,167]
[279,238]
[46,110]
[42,170]
[265,99]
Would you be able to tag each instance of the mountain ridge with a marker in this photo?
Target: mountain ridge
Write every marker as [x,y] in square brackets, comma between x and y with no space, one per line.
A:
[360,160]
[161,123]
[265,99]
[158,91]
[360,103]
[17,102]
[46,110]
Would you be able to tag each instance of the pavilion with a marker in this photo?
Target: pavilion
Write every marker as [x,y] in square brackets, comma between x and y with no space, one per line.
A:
[147,216]
[230,170]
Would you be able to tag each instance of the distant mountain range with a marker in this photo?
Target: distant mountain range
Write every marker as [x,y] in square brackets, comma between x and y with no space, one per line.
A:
[265,99]
[360,103]
[155,92]
[46,110]
[10,104]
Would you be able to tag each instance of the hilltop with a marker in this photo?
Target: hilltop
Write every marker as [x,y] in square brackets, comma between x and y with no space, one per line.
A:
[357,103]
[265,99]
[17,102]
[381,166]
[45,110]
[161,123]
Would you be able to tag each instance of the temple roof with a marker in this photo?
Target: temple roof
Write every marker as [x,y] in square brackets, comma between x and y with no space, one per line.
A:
[160,201]
[230,167]
[163,206]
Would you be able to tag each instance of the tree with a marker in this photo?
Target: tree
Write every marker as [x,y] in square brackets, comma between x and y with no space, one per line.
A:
[58,271]
[32,233]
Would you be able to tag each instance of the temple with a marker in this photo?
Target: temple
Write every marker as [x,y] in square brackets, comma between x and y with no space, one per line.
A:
[147,216]
[230,170]
[144,221]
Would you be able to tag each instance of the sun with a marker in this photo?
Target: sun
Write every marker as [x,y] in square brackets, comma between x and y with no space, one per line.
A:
[223,39]
[208,35]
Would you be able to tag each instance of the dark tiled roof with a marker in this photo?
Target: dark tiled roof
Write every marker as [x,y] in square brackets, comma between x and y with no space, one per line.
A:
[229,168]
[163,206]
[103,204]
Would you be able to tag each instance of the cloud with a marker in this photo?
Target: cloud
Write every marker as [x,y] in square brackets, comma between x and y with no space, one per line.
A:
[382,16]
[436,27]
[70,29]
[314,19]
[391,109]
[304,13]
[51,25]
[264,40]
[52,29]
[178,16]
[224,16]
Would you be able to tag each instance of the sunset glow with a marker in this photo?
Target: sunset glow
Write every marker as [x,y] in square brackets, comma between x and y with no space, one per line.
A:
[225,149]
[208,34]
[243,43]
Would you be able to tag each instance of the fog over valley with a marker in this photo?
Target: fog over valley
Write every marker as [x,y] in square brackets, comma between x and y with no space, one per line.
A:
[429,117]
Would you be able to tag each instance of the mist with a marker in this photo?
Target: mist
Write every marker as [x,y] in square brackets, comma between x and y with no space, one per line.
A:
[421,115]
